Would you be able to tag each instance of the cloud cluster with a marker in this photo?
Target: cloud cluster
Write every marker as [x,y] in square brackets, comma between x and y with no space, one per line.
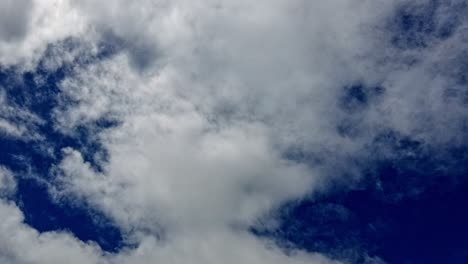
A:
[16,121]
[28,27]
[210,98]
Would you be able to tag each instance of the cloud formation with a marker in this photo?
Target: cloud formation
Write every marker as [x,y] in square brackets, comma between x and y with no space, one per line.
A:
[224,111]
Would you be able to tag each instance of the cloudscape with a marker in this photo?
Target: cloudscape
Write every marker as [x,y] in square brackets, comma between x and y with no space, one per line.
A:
[233,131]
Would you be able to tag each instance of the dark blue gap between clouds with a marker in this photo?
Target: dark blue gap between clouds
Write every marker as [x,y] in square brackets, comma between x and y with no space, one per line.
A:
[409,208]
[32,157]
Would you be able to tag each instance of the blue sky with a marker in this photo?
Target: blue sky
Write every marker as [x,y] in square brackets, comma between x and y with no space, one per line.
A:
[233,131]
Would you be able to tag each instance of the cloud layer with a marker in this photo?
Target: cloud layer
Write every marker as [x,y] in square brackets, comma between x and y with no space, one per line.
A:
[222,112]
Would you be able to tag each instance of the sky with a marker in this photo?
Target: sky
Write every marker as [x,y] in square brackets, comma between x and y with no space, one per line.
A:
[221,131]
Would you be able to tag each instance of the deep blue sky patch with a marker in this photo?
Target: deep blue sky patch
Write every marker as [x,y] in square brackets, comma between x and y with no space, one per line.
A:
[30,159]
[409,209]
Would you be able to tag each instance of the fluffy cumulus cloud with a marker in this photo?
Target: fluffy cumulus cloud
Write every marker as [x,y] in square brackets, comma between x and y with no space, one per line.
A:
[29,26]
[222,111]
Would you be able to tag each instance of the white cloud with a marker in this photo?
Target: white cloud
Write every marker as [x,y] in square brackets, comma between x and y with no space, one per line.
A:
[29,26]
[198,152]
[20,243]
[14,19]
[7,182]
[214,247]
[209,96]
[17,122]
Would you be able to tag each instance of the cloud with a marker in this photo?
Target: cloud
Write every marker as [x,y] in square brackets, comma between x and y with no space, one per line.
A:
[215,247]
[17,122]
[29,26]
[20,243]
[7,182]
[14,19]
[211,98]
